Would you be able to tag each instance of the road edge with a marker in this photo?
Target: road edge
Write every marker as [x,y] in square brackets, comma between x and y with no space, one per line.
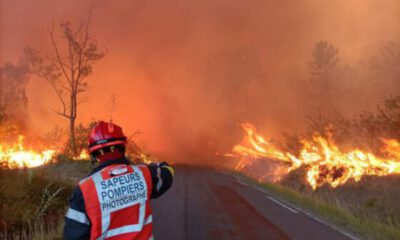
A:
[275,197]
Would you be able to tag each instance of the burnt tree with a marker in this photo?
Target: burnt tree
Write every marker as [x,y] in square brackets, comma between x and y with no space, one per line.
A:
[74,53]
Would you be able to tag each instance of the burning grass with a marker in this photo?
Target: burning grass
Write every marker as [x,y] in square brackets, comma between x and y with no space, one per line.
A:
[324,161]
[17,156]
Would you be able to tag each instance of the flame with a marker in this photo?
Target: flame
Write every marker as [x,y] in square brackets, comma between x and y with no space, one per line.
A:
[84,155]
[324,161]
[15,156]
[147,159]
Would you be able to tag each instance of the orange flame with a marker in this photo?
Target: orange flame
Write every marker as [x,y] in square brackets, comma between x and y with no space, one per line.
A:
[84,155]
[15,156]
[324,161]
[147,159]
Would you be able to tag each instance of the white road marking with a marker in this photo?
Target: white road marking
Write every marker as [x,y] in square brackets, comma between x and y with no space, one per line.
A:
[292,209]
[329,225]
[316,219]
[260,190]
[283,205]
[241,182]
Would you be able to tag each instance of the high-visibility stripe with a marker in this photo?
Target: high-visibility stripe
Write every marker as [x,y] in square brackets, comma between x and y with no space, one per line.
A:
[77,216]
[147,176]
[128,228]
[123,230]
[105,216]
[171,169]
[159,182]
[148,220]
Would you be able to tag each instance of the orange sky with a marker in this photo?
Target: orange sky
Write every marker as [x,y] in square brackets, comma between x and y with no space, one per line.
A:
[165,58]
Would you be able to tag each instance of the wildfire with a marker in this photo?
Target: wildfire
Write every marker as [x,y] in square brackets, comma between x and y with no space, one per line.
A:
[146,159]
[84,155]
[324,161]
[15,156]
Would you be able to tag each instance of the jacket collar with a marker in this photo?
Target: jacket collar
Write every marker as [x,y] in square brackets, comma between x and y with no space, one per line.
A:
[110,162]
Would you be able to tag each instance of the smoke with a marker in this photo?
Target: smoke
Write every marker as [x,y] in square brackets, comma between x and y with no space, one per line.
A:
[186,73]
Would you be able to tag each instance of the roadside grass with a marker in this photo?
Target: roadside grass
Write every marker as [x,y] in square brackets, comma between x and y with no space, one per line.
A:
[39,230]
[67,170]
[33,201]
[327,206]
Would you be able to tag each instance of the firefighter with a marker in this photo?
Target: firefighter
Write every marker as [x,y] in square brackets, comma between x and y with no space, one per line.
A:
[113,202]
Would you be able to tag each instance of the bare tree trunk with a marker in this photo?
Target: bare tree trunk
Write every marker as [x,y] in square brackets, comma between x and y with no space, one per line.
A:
[72,124]
[66,72]
[72,135]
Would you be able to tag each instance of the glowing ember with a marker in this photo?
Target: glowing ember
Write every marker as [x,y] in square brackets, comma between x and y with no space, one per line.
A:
[324,161]
[15,156]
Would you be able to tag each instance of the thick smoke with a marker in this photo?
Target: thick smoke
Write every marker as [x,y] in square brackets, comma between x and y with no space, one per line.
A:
[186,73]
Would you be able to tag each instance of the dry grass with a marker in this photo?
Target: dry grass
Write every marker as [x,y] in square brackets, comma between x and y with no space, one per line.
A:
[33,201]
[373,197]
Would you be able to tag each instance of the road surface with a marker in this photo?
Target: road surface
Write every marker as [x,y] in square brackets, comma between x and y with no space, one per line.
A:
[207,204]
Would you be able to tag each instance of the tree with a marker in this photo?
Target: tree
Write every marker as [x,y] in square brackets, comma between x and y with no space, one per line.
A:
[74,54]
[323,70]
[389,116]
[386,69]
[13,81]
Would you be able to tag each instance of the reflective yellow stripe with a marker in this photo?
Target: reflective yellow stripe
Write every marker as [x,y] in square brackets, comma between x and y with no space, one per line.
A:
[171,169]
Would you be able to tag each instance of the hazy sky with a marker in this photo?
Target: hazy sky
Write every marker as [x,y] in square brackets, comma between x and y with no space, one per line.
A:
[169,65]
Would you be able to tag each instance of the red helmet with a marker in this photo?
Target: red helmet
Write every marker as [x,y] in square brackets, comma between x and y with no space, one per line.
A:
[105,134]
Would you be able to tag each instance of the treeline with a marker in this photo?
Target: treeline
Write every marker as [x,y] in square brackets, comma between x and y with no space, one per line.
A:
[357,105]
[336,85]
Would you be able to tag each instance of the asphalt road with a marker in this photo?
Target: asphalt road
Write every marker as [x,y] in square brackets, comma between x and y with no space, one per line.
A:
[206,204]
